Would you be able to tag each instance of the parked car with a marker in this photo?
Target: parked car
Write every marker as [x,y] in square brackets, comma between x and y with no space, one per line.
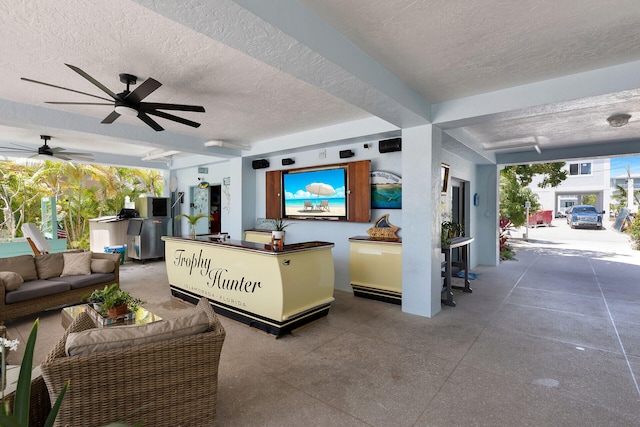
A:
[584,216]
[560,214]
[567,213]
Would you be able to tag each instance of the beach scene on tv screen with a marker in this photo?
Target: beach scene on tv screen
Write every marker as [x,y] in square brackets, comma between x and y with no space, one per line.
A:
[315,193]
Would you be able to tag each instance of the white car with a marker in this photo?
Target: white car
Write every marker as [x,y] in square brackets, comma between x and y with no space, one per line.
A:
[561,214]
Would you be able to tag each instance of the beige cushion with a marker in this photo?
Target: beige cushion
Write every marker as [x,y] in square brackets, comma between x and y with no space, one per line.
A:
[76,264]
[49,265]
[21,264]
[11,280]
[118,337]
[102,266]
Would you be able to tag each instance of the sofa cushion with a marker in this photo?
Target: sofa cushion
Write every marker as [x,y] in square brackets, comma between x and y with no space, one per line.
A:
[118,337]
[11,280]
[83,280]
[49,265]
[102,266]
[36,289]
[76,263]
[24,265]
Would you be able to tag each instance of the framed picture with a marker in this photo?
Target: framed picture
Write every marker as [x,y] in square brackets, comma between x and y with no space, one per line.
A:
[444,178]
[386,190]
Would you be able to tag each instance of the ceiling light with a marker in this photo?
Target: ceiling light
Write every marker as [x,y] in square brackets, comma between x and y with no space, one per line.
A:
[619,120]
[512,144]
[219,143]
[125,110]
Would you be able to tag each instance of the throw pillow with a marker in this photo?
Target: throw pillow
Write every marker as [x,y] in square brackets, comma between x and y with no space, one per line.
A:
[24,265]
[118,337]
[11,280]
[49,265]
[102,266]
[76,264]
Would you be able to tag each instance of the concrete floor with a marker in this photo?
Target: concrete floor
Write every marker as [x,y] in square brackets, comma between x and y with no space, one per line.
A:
[551,339]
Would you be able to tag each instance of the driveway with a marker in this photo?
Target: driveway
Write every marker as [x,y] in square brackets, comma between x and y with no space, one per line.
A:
[605,244]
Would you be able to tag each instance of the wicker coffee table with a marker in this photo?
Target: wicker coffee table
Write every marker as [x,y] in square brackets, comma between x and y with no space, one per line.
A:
[143,316]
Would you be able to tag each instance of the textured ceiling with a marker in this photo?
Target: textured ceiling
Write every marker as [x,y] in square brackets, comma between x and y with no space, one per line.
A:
[484,71]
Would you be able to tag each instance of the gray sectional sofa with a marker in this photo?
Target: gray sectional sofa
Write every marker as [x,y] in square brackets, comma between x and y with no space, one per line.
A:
[31,284]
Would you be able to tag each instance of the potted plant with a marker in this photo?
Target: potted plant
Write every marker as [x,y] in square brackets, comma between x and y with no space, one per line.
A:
[98,296]
[106,301]
[277,233]
[193,219]
[449,230]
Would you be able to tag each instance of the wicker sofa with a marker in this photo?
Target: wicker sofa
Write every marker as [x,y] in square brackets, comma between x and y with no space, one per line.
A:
[47,281]
[170,382]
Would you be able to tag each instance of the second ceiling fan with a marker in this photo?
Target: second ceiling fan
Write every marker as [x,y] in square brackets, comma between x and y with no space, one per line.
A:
[130,102]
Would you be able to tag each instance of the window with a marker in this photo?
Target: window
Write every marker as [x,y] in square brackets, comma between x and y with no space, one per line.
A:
[580,169]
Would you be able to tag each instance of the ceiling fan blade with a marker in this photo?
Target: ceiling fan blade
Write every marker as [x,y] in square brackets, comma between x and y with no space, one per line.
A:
[61,157]
[92,80]
[110,118]
[174,118]
[78,103]
[146,106]
[148,120]
[63,88]
[16,149]
[142,91]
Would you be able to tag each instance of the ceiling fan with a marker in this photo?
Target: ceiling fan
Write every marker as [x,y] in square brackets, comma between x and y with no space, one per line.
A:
[130,103]
[46,151]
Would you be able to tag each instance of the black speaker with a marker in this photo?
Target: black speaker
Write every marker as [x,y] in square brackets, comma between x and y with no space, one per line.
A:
[287,162]
[390,145]
[260,164]
[345,154]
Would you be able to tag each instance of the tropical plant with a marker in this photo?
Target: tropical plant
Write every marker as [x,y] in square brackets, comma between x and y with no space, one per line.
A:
[82,192]
[280,224]
[192,219]
[18,416]
[119,298]
[449,230]
[514,192]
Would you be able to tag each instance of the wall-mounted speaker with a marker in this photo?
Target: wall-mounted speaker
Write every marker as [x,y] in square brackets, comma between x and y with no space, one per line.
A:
[287,162]
[345,154]
[390,145]
[260,164]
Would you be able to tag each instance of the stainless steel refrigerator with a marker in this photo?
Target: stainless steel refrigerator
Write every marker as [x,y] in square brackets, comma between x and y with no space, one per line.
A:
[144,237]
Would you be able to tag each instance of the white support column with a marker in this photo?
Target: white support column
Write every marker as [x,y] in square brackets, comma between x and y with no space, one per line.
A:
[421,281]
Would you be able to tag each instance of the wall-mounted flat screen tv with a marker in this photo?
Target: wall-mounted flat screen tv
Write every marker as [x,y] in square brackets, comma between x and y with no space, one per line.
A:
[318,193]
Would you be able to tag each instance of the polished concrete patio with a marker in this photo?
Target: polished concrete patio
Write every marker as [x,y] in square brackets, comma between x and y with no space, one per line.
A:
[548,340]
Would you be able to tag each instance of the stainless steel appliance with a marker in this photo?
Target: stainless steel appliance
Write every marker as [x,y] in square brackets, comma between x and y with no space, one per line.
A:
[152,207]
[144,234]
[144,237]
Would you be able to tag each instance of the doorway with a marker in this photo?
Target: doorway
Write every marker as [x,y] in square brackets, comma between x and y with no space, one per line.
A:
[207,201]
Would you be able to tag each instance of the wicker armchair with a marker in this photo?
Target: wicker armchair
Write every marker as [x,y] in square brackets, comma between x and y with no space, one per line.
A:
[170,383]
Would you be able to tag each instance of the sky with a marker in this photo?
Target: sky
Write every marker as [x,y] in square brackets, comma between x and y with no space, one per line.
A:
[619,165]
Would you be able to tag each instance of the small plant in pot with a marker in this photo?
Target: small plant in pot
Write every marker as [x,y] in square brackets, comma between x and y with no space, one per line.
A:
[113,301]
[450,230]
[277,233]
[98,296]
[193,219]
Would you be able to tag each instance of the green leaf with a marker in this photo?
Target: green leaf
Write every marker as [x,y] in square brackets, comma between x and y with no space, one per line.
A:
[51,418]
[23,390]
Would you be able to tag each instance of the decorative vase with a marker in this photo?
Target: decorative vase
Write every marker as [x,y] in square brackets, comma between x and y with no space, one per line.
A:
[277,239]
[193,231]
[118,311]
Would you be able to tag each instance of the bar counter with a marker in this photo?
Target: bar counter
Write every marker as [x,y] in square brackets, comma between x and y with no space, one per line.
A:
[375,266]
[275,291]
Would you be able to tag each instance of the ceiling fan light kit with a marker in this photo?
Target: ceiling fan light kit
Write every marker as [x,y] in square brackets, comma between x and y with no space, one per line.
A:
[618,120]
[129,103]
